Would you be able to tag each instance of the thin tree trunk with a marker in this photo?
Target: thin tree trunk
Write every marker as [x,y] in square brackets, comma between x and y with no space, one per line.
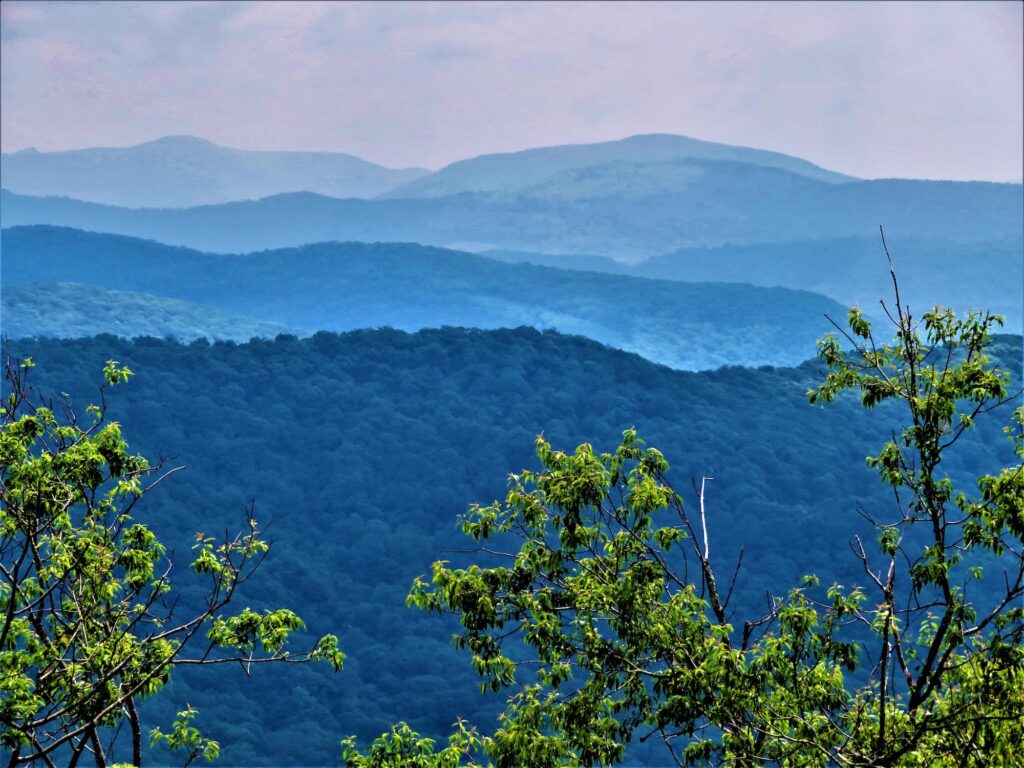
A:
[98,753]
[133,721]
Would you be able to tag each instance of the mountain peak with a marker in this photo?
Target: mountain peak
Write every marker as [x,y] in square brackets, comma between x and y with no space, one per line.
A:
[177,140]
[659,139]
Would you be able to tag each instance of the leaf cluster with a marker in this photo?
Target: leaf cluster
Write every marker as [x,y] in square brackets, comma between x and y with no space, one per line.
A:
[606,578]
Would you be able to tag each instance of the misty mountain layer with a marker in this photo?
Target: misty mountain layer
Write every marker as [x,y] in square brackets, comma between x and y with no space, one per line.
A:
[720,202]
[343,286]
[853,271]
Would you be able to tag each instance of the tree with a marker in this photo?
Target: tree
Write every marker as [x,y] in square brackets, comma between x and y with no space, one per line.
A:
[89,623]
[596,564]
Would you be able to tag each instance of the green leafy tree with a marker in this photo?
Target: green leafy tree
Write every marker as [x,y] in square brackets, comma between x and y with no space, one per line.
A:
[608,579]
[404,748]
[89,623]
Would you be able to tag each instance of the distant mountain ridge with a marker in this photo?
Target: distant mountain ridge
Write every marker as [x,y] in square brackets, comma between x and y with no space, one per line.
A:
[183,171]
[722,202]
[630,199]
[345,286]
[544,169]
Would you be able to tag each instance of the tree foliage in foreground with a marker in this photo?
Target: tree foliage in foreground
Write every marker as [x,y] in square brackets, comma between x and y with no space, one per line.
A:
[611,583]
[89,623]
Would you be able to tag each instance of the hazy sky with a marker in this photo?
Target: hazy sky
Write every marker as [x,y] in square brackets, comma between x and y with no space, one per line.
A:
[915,90]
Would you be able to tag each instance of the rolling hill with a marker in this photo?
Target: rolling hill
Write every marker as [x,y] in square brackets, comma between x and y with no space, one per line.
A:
[637,163]
[180,171]
[343,286]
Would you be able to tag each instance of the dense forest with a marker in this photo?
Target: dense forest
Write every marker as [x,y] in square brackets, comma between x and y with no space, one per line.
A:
[362,450]
[345,286]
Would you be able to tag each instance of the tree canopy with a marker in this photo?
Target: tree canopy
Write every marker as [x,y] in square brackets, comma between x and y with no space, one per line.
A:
[596,564]
[376,439]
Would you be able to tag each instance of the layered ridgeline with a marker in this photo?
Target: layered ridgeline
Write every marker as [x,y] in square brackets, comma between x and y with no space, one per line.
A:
[361,450]
[630,199]
[178,171]
[854,270]
[344,286]
[727,203]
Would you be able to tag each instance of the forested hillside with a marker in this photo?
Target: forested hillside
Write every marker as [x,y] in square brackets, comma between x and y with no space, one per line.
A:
[344,286]
[72,310]
[361,450]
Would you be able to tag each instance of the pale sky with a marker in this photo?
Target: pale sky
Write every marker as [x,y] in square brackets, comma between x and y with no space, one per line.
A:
[922,90]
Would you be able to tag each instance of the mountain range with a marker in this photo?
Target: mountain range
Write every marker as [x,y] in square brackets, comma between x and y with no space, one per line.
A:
[222,278]
[665,207]
[183,171]
[628,199]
